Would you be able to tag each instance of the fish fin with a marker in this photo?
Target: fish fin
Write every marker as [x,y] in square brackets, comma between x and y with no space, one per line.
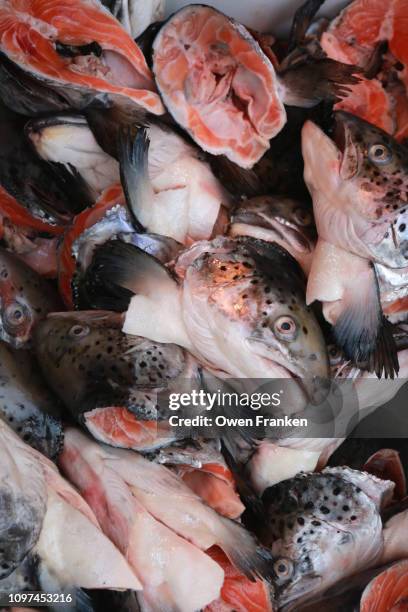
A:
[134,172]
[364,333]
[314,80]
[244,551]
[119,271]
[373,66]
[384,360]
[107,119]
[75,185]
[301,21]
[241,181]
[254,508]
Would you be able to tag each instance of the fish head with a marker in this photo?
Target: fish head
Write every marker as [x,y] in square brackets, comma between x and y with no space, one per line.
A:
[374,161]
[25,298]
[90,363]
[69,347]
[283,220]
[358,179]
[259,291]
[321,527]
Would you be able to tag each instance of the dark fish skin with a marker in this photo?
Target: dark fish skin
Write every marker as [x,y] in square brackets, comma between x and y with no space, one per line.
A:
[26,404]
[106,121]
[25,298]
[115,224]
[280,170]
[120,601]
[145,41]
[77,50]
[26,95]
[50,192]
[90,363]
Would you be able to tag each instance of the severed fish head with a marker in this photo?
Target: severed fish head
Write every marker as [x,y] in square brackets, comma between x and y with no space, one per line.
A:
[359,184]
[322,527]
[25,298]
[108,380]
[249,296]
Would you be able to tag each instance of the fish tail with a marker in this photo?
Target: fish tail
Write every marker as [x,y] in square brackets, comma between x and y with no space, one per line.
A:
[363,331]
[254,509]
[314,80]
[384,360]
[134,173]
[301,21]
[244,551]
[242,182]
[117,272]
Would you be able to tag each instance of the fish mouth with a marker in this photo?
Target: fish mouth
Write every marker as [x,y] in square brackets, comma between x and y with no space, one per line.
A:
[313,390]
[34,129]
[298,594]
[37,125]
[261,225]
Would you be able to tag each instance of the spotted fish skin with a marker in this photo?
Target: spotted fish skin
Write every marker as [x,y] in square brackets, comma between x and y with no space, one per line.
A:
[26,404]
[359,185]
[25,298]
[322,527]
[111,382]
[257,289]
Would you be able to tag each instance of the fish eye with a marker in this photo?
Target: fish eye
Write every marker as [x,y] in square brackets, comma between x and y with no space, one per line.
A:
[79,331]
[4,274]
[285,328]
[335,354]
[283,568]
[379,154]
[302,216]
[15,315]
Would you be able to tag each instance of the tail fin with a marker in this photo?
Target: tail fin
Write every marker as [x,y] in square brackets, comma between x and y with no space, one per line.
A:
[314,80]
[134,174]
[301,21]
[243,550]
[364,333]
[118,271]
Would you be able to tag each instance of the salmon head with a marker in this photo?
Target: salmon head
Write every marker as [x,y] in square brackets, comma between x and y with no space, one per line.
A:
[288,222]
[25,298]
[250,295]
[322,527]
[359,183]
[108,380]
